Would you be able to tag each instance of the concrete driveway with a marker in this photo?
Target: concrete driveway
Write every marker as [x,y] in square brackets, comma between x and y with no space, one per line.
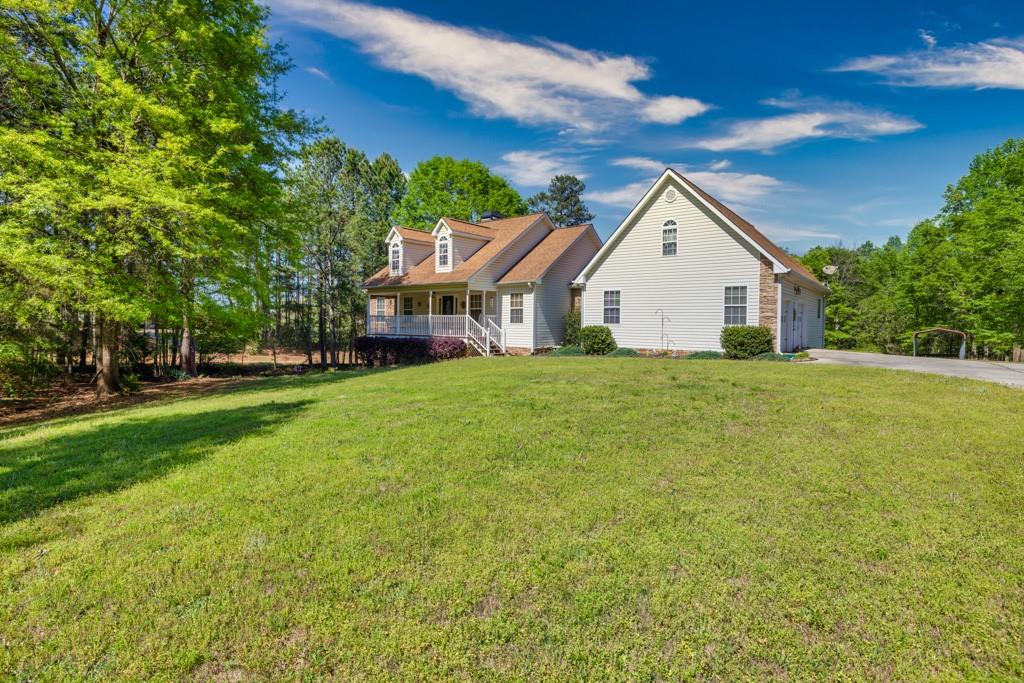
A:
[1003,373]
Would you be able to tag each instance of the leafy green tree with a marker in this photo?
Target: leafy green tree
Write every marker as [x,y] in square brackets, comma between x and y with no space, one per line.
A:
[142,142]
[340,205]
[563,201]
[464,189]
[983,224]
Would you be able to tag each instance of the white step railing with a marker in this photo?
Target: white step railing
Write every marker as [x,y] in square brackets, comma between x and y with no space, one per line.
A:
[495,333]
[476,333]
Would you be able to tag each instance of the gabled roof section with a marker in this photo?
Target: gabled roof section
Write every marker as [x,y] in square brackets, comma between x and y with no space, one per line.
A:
[503,232]
[465,227]
[542,257]
[410,235]
[782,262]
[774,251]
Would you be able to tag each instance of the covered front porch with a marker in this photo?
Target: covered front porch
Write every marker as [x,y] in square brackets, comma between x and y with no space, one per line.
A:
[470,314]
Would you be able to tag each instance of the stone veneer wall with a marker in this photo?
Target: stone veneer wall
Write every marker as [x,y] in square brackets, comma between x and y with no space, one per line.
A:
[768,305]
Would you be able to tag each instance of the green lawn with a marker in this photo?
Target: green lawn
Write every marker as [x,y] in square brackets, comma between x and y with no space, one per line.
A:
[525,518]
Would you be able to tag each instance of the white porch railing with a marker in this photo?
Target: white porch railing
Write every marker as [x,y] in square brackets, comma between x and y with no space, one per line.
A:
[418,325]
[484,334]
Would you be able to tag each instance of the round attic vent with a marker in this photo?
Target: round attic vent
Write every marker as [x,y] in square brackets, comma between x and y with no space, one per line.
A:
[670,195]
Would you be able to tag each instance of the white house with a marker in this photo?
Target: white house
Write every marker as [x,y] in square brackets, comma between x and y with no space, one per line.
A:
[679,268]
[501,284]
[682,266]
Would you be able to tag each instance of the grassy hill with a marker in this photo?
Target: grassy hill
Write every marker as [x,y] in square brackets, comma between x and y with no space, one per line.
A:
[530,518]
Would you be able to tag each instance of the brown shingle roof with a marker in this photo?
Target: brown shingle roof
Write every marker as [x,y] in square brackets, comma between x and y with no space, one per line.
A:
[753,233]
[414,235]
[503,232]
[533,266]
[471,228]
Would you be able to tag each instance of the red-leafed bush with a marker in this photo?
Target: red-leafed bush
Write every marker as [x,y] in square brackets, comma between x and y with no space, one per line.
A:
[384,351]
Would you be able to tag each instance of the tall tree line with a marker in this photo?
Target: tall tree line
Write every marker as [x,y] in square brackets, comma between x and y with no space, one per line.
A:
[142,142]
[339,205]
[962,269]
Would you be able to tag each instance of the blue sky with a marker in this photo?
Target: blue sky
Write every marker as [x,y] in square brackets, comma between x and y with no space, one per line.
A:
[818,123]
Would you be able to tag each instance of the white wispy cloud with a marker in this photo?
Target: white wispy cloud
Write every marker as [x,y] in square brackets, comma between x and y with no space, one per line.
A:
[535,168]
[720,165]
[640,163]
[736,187]
[319,73]
[540,82]
[627,195]
[672,109]
[808,119]
[780,232]
[997,63]
[928,38]
[729,186]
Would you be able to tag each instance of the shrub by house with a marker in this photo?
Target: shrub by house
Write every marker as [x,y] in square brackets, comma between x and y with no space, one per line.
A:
[597,340]
[746,341]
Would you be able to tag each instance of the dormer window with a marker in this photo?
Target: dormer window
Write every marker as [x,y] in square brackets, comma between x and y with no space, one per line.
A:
[443,256]
[396,258]
[668,238]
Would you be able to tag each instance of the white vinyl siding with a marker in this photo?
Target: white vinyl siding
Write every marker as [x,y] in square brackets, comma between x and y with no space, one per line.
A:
[687,288]
[464,247]
[552,294]
[413,253]
[517,334]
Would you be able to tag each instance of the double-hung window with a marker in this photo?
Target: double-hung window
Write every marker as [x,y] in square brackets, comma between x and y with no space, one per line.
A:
[668,238]
[515,307]
[442,252]
[407,306]
[382,305]
[396,258]
[736,305]
[612,307]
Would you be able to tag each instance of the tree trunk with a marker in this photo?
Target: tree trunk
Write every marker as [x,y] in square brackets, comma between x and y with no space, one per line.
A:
[1018,353]
[322,326]
[108,373]
[84,349]
[188,348]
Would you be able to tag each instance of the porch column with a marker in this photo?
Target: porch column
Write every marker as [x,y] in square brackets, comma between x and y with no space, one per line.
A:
[398,314]
[369,303]
[430,314]
[467,310]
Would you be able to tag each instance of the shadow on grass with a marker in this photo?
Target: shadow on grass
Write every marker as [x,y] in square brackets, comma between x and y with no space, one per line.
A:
[182,391]
[39,475]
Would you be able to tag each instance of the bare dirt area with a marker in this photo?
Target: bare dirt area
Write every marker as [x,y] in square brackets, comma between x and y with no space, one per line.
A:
[71,397]
[284,358]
